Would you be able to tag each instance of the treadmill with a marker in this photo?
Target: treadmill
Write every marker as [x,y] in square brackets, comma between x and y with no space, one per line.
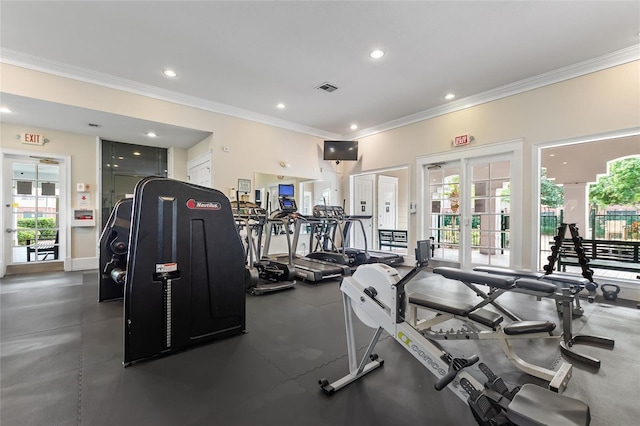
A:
[333,220]
[307,269]
[374,256]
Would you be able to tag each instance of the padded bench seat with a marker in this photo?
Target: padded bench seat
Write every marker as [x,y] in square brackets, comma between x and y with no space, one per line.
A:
[509,272]
[526,327]
[566,279]
[535,285]
[482,316]
[556,277]
[476,277]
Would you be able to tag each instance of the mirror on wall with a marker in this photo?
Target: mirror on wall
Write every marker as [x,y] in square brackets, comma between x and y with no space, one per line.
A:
[307,193]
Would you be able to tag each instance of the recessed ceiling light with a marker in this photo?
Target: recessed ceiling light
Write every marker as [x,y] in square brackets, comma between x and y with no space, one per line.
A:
[280,105]
[151,134]
[121,158]
[450,96]
[136,153]
[5,109]
[169,73]
[354,126]
[552,155]
[376,54]
[115,165]
[564,162]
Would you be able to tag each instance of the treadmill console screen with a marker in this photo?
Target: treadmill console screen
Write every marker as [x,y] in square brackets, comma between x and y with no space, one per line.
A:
[288,204]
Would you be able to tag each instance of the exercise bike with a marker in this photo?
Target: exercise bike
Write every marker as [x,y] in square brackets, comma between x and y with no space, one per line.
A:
[376,294]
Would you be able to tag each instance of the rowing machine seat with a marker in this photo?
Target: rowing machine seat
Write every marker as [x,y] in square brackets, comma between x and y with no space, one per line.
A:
[535,406]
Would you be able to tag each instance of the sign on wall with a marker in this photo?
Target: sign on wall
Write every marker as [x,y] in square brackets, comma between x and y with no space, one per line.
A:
[33,139]
[462,140]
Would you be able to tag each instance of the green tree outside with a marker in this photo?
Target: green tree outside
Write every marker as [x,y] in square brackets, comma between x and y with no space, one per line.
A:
[46,228]
[619,187]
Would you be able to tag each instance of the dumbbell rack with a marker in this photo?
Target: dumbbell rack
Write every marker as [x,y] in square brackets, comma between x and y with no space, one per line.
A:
[583,260]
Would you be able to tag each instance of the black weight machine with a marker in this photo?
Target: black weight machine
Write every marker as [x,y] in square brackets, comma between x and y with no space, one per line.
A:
[173,253]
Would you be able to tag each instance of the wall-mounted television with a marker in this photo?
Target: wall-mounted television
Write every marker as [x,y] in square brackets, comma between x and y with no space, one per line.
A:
[285,190]
[341,150]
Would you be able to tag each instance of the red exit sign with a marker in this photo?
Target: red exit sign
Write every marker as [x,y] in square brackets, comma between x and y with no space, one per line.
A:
[32,139]
[462,140]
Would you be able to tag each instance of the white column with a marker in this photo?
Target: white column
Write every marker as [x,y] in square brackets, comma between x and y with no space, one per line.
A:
[576,206]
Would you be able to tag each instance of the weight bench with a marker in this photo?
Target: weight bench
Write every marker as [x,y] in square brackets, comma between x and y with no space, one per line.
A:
[499,285]
[376,295]
[448,309]
[563,282]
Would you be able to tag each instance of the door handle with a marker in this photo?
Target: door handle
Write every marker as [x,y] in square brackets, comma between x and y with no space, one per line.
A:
[9,230]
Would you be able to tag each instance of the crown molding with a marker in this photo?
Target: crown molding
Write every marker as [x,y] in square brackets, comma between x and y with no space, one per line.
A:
[619,57]
[23,60]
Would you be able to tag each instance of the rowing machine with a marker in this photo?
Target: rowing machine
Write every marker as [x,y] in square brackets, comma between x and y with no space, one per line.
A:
[375,293]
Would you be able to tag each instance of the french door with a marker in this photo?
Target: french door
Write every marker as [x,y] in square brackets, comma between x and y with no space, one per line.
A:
[32,210]
[468,206]
[490,209]
[443,220]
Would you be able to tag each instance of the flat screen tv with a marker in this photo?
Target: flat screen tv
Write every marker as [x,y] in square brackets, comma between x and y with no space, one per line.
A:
[341,150]
[285,190]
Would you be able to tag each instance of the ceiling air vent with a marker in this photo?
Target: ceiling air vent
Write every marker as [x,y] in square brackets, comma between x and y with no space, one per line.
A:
[327,87]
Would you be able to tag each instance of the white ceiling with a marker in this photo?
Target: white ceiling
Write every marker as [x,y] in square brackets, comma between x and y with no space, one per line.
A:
[243,57]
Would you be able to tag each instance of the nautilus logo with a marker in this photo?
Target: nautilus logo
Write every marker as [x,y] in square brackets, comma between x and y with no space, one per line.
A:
[203,205]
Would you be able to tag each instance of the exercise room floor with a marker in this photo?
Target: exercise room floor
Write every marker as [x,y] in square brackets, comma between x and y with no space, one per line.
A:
[61,363]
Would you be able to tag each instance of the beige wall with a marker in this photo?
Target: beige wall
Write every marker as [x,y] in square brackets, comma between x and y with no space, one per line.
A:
[177,164]
[83,152]
[592,104]
[240,148]
[596,103]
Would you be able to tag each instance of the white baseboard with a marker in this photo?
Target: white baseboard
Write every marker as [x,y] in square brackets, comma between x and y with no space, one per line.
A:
[81,263]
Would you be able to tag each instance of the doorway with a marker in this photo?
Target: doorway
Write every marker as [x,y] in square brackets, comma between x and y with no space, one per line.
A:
[380,200]
[470,202]
[34,199]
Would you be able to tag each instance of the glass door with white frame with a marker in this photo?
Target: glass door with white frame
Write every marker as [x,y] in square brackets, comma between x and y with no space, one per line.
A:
[32,224]
[490,209]
[443,222]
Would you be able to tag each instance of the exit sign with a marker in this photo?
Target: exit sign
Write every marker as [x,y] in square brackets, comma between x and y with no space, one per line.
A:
[32,139]
[462,140]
